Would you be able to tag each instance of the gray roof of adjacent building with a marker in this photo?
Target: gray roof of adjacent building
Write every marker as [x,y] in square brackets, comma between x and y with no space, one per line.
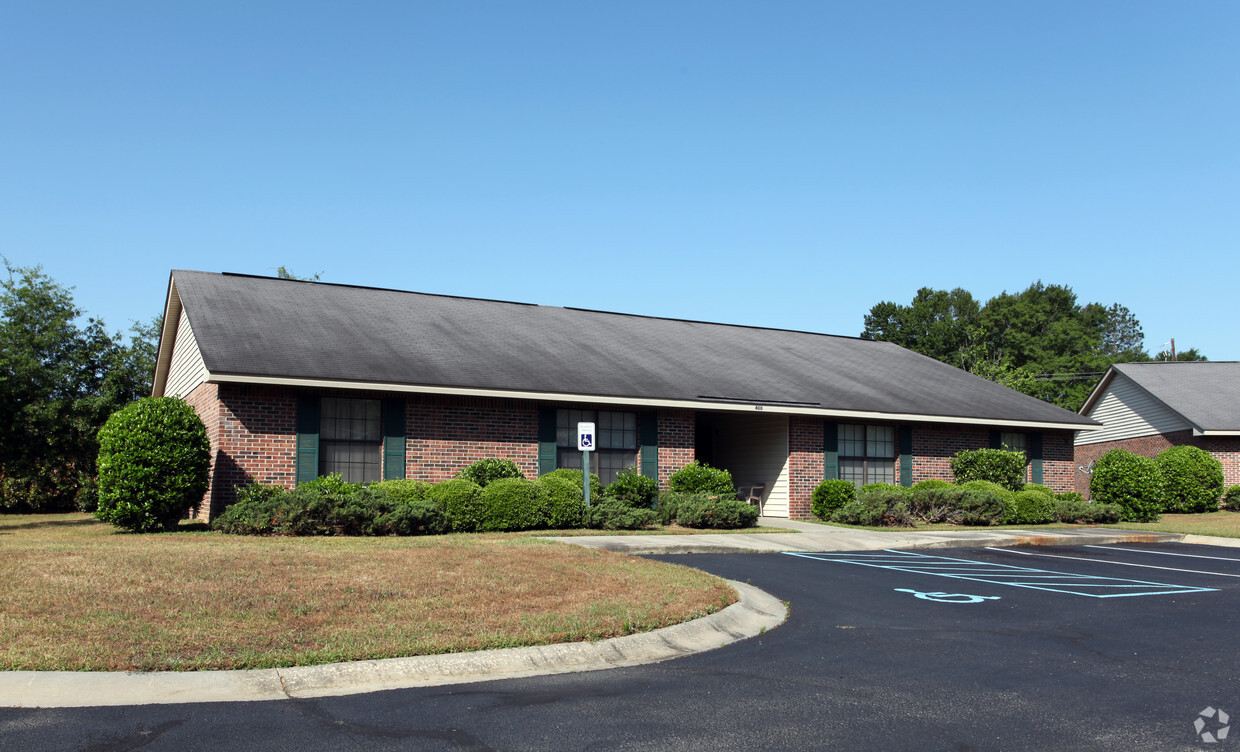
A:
[1204,393]
[268,330]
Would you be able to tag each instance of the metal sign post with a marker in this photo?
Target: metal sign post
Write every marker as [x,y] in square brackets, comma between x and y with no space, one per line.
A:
[585,444]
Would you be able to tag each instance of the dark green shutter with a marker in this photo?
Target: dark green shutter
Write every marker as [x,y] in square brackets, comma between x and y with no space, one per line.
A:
[307,438]
[1035,455]
[996,440]
[649,423]
[546,440]
[906,455]
[830,450]
[393,439]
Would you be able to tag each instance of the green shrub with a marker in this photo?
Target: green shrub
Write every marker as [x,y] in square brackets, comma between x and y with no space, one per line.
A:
[153,462]
[1042,489]
[403,490]
[983,507]
[995,465]
[596,486]
[1231,498]
[830,495]
[1069,496]
[1192,478]
[254,511]
[611,514]
[1134,483]
[936,504]
[461,501]
[1002,492]
[1078,511]
[483,472]
[565,507]
[875,510]
[1033,508]
[512,504]
[669,503]
[698,477]
[633,489]
[886,488]
[412,517]
[702,511]
[930,483]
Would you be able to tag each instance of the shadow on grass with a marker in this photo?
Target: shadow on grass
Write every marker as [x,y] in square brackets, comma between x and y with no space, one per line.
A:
[50,523]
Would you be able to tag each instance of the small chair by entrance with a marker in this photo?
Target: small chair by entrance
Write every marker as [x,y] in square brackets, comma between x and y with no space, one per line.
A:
[752,494]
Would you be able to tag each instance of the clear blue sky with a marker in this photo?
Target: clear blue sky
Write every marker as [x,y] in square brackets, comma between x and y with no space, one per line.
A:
[784,164]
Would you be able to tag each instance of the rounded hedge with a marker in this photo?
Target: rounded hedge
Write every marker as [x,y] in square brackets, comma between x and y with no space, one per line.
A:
[461,501]
[565,506]
[1033,507]
[830,495]
[1192,478]
[512,504]
[698,477]
[1231,499]
[154,457]
[483,472]
[995,465]
[1133,482]
[574,476]
[633,488]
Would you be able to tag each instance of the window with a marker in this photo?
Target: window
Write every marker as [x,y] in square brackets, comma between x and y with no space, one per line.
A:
[350,440]
[867,454]
[1013,441]
[615,441]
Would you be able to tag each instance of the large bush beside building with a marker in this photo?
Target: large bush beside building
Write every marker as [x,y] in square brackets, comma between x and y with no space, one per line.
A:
[154,457]
[698,477]
[995,465]
[1133,482]
[490,469]
[634,489]
[830,495]
[1192,479]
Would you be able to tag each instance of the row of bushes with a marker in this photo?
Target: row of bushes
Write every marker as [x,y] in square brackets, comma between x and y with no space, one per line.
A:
[975,502]
[488,496]
[1181,479]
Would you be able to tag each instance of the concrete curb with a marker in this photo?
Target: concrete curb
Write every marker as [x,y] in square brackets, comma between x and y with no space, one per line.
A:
[755,612]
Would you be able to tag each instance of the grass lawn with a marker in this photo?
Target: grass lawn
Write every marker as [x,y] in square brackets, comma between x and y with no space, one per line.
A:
[77,595]
[1222,523]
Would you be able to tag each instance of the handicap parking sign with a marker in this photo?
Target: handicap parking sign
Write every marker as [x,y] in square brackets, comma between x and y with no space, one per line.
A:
[585,437]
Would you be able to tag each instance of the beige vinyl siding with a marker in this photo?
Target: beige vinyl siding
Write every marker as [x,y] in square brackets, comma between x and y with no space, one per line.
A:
[1126,411]
[756,451]
[187,369]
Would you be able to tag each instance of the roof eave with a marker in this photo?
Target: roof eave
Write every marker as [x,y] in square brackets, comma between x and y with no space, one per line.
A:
[715,405]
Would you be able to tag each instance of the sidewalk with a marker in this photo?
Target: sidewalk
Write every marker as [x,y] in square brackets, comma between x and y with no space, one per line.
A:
[812,537]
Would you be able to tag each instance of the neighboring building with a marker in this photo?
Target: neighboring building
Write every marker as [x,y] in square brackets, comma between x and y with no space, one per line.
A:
[1148,407]
[296,379]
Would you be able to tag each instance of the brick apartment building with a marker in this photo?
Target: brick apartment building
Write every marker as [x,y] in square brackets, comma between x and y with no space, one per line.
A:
[1148,407]
[298,379]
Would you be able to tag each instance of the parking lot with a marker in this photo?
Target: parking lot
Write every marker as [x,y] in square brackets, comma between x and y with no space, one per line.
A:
[1114,647]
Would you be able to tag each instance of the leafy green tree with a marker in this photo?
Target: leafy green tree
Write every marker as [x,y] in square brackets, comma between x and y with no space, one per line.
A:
[283,272]
[937,323]
[1123,333]
[59,382]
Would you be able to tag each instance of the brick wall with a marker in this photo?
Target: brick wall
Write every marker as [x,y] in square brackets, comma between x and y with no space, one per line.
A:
[1226,449]
[676,442]
[444,434]
[805,464]
[205,401]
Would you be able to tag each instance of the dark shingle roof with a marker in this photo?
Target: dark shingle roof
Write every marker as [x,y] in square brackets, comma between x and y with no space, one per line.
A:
[1206,394]
[260,326]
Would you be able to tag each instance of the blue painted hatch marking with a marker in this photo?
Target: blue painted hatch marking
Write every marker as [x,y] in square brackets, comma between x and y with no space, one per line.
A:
[1088,585]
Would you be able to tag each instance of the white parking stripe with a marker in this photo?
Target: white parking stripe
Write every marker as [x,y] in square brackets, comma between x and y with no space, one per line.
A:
[1104,561]
[1165,553]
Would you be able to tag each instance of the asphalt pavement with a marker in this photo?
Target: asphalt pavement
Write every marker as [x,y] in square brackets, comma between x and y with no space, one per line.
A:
[1080,647]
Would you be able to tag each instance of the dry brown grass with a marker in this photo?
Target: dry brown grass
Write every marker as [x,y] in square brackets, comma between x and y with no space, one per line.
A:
[1222,523]
[75,595]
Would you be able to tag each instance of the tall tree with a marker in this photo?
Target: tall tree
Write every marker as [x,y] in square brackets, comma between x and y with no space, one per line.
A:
[1123,333]
[59,381]
[937,323]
